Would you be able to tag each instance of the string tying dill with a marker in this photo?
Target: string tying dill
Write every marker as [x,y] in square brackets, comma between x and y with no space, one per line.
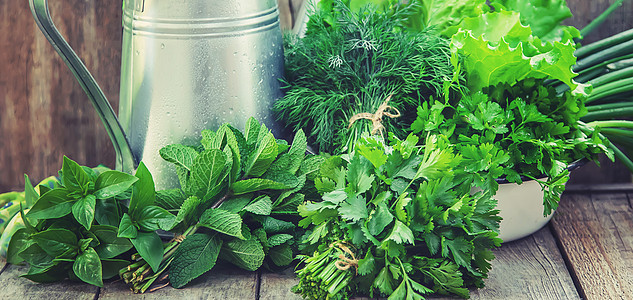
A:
[376,118]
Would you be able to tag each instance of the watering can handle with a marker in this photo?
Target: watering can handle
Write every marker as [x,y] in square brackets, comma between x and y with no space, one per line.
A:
[126,160]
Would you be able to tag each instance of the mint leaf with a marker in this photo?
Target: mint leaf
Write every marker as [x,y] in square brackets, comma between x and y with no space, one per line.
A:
[170,199]
[206,172]
[278,239]
[246,254]
[272,225]
[196,255]
[263,156]
[84,210]
[180,155]
[188,210]
[281,255]
[222,221]
[256,184]
[112,183]
[262,205]
[87,267]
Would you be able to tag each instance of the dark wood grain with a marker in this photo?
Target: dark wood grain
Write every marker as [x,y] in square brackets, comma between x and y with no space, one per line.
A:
[596,235]
[44,113]
[14,287]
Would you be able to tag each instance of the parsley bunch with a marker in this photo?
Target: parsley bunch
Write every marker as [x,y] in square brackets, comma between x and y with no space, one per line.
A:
[524,131]
[396,220]
[349,64]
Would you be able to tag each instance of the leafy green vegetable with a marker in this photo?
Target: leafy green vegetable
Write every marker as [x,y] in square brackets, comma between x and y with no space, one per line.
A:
[427,235]
[351,65]
[229,190]
[69,232]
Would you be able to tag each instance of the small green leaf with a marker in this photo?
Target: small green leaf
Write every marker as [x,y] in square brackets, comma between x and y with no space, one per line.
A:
[265,153]
[188,210]
[53,204]
[281,255]
[107,212]
[56,241]
[380,219]
[236,204]
[150,247]
[180,155]
[30,195]
[367,264]
[170,199]
[84,210]
[112,183]
[17,242]
[87,267]
[110,245]
[354,209]
[272,225]
[246,254]
[127,228]
[152,218]
[278,239]
[222,221]
[143,191]
[262,205]
[73,175]
[196,255]
[206,171]
[52,272]
[257,184]
[84,244]
[401,234]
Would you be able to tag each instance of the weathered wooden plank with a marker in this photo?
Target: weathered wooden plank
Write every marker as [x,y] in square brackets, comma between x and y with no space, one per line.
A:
[15,287]
[596,234]
[530,268]
[224,282]
[599,188]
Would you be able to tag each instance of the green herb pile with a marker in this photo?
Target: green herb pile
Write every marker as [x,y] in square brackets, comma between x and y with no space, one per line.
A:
[237,202]
[70,230]
[349,64]
[397,221]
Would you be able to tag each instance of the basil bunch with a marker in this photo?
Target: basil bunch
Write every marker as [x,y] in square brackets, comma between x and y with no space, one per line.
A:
[70,232]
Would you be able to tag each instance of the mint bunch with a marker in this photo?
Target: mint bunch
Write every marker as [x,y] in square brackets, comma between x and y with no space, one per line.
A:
[237,203]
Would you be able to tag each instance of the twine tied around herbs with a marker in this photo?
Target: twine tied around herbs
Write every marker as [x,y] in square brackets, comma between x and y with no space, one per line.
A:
[344,263]
[376,118]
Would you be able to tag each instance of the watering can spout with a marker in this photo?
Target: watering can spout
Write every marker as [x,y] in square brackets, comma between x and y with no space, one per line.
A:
[125,158]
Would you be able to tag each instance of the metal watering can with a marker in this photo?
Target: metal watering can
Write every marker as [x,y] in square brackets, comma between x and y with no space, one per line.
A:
[186,65]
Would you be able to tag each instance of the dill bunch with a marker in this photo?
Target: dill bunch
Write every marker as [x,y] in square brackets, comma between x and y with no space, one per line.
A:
[351,63]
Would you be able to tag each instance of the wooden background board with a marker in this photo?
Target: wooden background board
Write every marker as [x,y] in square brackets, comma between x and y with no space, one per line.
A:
[44,114]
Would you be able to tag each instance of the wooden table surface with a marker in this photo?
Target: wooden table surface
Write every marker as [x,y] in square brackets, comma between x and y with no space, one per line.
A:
[586,252]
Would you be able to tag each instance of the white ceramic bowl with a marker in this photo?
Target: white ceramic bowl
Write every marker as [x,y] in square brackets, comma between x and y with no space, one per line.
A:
[521,207]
